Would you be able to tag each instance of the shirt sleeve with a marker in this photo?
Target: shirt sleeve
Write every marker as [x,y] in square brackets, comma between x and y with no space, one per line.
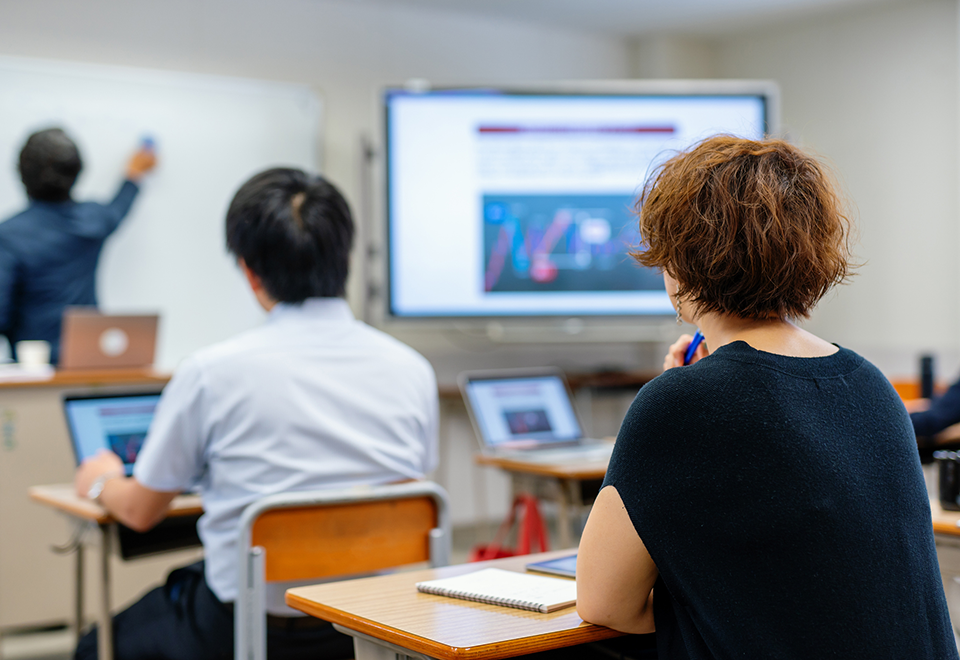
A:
[943,412]
[173,454]
[119,207]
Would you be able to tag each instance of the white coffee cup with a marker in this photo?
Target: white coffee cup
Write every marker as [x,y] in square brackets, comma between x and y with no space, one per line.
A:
[33,353]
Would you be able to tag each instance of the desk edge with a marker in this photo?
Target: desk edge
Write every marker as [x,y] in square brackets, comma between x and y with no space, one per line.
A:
[501,649]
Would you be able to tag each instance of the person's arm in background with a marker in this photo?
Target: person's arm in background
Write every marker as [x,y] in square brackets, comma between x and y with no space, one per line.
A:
[140,163]
[943,412]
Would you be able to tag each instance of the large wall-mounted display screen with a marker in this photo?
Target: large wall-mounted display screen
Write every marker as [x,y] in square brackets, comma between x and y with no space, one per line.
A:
[505,204]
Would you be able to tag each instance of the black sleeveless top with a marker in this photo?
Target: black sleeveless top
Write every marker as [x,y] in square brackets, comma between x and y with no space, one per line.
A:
[783,503]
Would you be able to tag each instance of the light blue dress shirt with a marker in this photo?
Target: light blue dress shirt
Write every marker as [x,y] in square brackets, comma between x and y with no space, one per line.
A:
[311,399]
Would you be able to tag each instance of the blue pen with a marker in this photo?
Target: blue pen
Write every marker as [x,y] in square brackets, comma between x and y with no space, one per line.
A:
[692,348]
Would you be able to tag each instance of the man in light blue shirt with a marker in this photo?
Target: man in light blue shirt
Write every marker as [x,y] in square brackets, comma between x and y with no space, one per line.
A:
[311,399]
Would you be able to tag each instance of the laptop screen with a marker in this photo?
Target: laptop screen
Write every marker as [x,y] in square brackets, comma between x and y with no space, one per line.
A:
[118,423]
[516,411]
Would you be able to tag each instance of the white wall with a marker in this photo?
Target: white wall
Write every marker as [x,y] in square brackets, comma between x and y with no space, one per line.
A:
[349,51]
[876,93]
[214,132]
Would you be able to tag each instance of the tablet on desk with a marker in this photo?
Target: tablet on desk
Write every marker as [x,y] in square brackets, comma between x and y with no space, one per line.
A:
[565,566]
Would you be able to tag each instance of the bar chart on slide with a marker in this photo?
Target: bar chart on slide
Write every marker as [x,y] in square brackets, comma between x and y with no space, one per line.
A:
[562,243]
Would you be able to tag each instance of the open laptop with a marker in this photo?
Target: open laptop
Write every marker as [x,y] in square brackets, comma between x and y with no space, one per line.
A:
[91,340]
[528,414]
[118,422]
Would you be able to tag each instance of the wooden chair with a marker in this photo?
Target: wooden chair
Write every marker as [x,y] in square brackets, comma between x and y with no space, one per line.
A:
[329,533]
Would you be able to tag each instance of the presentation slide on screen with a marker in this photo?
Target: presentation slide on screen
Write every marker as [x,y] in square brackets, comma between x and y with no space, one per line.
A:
[511,410]
[119,424]
[523,204]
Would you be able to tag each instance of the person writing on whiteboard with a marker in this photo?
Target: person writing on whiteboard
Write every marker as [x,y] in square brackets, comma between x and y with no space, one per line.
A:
[311,399]
[49,251]
[765,501]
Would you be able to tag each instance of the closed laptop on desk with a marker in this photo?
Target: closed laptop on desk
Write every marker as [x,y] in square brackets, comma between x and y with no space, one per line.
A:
[91,340]
[527,414]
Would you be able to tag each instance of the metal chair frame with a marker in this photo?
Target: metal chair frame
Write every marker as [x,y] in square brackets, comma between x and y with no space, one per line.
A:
[250,638]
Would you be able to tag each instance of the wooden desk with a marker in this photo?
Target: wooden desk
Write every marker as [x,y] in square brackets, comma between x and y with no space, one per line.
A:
[566,476]
[944,522]
[387,615]
[88,515]
[35,449]
[91,378]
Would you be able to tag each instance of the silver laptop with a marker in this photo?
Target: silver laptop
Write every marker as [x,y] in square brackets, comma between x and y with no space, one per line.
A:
[91,340]
[528,414]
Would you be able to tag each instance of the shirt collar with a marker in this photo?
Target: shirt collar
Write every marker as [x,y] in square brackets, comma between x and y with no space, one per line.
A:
[315,309]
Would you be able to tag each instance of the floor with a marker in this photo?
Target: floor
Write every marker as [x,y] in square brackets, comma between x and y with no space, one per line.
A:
[58,644]
[43,645]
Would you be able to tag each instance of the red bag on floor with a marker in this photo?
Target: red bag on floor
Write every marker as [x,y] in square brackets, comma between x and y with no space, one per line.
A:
[530,531]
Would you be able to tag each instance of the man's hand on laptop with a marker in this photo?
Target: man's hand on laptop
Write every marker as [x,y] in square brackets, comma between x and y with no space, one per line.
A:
[102,466]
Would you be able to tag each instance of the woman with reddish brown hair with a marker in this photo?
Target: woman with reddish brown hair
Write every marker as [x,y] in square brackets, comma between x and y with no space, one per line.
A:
[765,501]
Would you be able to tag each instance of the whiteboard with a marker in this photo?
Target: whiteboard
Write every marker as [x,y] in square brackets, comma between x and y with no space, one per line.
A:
[212,133]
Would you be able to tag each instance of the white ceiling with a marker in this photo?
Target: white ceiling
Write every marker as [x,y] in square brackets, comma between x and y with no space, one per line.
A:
[639,17]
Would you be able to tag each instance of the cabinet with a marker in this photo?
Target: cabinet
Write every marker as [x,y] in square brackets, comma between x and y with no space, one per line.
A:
[36,584]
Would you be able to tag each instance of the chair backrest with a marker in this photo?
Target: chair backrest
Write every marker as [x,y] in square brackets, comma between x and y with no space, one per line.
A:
[326,533]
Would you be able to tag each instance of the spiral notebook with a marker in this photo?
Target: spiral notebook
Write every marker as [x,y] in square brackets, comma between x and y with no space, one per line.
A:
[537,593]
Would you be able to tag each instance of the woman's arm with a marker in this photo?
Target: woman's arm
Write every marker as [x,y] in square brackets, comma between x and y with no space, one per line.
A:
[615,573]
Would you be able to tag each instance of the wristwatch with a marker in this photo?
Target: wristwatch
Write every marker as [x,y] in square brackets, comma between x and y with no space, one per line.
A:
[97,487]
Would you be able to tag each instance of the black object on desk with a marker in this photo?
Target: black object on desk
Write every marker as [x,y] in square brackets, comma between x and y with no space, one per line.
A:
[948,468]
[173,533]
[926,376]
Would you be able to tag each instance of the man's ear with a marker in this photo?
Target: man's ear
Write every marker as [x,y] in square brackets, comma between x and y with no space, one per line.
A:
[252,278]
[256,285]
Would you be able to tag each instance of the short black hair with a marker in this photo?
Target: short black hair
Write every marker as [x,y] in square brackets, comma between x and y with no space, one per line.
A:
[294,231]
[49,165]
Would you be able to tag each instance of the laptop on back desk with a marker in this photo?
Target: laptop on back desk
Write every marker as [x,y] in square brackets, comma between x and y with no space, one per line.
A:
[528,414]
[91,340]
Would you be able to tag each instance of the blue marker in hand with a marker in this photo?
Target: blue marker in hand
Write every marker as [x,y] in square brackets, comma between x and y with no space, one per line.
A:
[692,348]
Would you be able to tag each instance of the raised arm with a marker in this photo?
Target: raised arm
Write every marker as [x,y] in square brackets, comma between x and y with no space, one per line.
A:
[615,574]
[140,163]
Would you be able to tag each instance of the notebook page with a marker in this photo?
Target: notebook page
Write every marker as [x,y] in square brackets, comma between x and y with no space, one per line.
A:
[495,586]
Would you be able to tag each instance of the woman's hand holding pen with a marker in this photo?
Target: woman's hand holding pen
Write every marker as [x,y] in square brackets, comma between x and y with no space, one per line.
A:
[678,350]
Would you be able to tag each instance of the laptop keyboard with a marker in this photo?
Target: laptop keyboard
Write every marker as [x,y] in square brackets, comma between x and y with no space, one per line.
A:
[595,453]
